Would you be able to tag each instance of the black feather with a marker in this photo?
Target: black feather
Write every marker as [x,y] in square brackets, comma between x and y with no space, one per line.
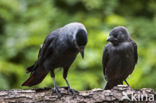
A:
[119,57]
[59,49]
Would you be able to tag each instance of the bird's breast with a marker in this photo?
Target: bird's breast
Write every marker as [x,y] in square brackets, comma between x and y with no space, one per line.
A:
[64,58]
[121,61]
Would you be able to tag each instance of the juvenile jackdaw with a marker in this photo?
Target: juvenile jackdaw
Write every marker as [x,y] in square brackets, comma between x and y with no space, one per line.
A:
[119,57]
[59,49]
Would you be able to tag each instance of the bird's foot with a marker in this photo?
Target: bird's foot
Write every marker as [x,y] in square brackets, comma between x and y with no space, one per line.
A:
[57,91]
[72,91]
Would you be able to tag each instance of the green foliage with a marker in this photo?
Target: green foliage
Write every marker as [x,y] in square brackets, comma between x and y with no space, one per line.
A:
[24,24]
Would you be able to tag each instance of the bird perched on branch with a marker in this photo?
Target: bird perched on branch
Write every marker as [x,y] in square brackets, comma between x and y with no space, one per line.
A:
[59,49]
[119,57]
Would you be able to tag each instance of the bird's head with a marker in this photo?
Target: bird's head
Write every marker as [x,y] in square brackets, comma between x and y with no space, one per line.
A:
[118,35]
[81,40]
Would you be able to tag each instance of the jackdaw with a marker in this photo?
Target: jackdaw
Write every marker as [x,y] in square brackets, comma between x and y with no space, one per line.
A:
[59,49]
[119,57]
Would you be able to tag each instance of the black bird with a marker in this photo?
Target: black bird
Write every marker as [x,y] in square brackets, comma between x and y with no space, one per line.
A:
[119,57]
[59,49]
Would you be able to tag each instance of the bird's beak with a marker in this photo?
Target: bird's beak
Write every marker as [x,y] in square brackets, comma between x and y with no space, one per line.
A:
[81,50]
[110,38]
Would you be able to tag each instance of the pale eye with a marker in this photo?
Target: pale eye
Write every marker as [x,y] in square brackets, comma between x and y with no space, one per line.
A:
[122,36]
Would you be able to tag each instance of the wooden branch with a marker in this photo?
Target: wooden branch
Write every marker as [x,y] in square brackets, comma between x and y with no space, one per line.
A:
[46,95]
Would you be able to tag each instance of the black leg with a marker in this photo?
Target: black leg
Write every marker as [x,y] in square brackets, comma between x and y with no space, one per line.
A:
[126,82]
[65,72]
[55,87]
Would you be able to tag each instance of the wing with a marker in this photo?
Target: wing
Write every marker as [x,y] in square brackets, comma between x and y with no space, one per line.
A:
[44,51]
[105,58]
[47,47]
[135,51]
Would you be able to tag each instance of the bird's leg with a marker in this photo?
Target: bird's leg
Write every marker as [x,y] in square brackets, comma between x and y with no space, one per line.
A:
[55,87]
[126,82]
[70,90]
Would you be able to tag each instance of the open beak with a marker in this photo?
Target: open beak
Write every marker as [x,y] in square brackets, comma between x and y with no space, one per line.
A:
[81,50]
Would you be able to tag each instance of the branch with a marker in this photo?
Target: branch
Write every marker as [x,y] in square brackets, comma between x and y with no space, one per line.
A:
[118,93]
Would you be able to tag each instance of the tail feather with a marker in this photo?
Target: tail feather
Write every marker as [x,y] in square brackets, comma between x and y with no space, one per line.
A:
[111,84]
[36,76]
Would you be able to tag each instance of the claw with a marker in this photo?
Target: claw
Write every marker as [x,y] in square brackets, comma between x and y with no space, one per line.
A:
[72,91]
[57,91]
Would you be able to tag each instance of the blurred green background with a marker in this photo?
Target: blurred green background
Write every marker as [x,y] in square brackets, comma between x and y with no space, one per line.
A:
[24,24]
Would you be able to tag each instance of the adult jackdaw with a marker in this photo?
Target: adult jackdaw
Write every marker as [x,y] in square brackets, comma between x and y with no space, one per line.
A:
[59,49]
[119,57]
